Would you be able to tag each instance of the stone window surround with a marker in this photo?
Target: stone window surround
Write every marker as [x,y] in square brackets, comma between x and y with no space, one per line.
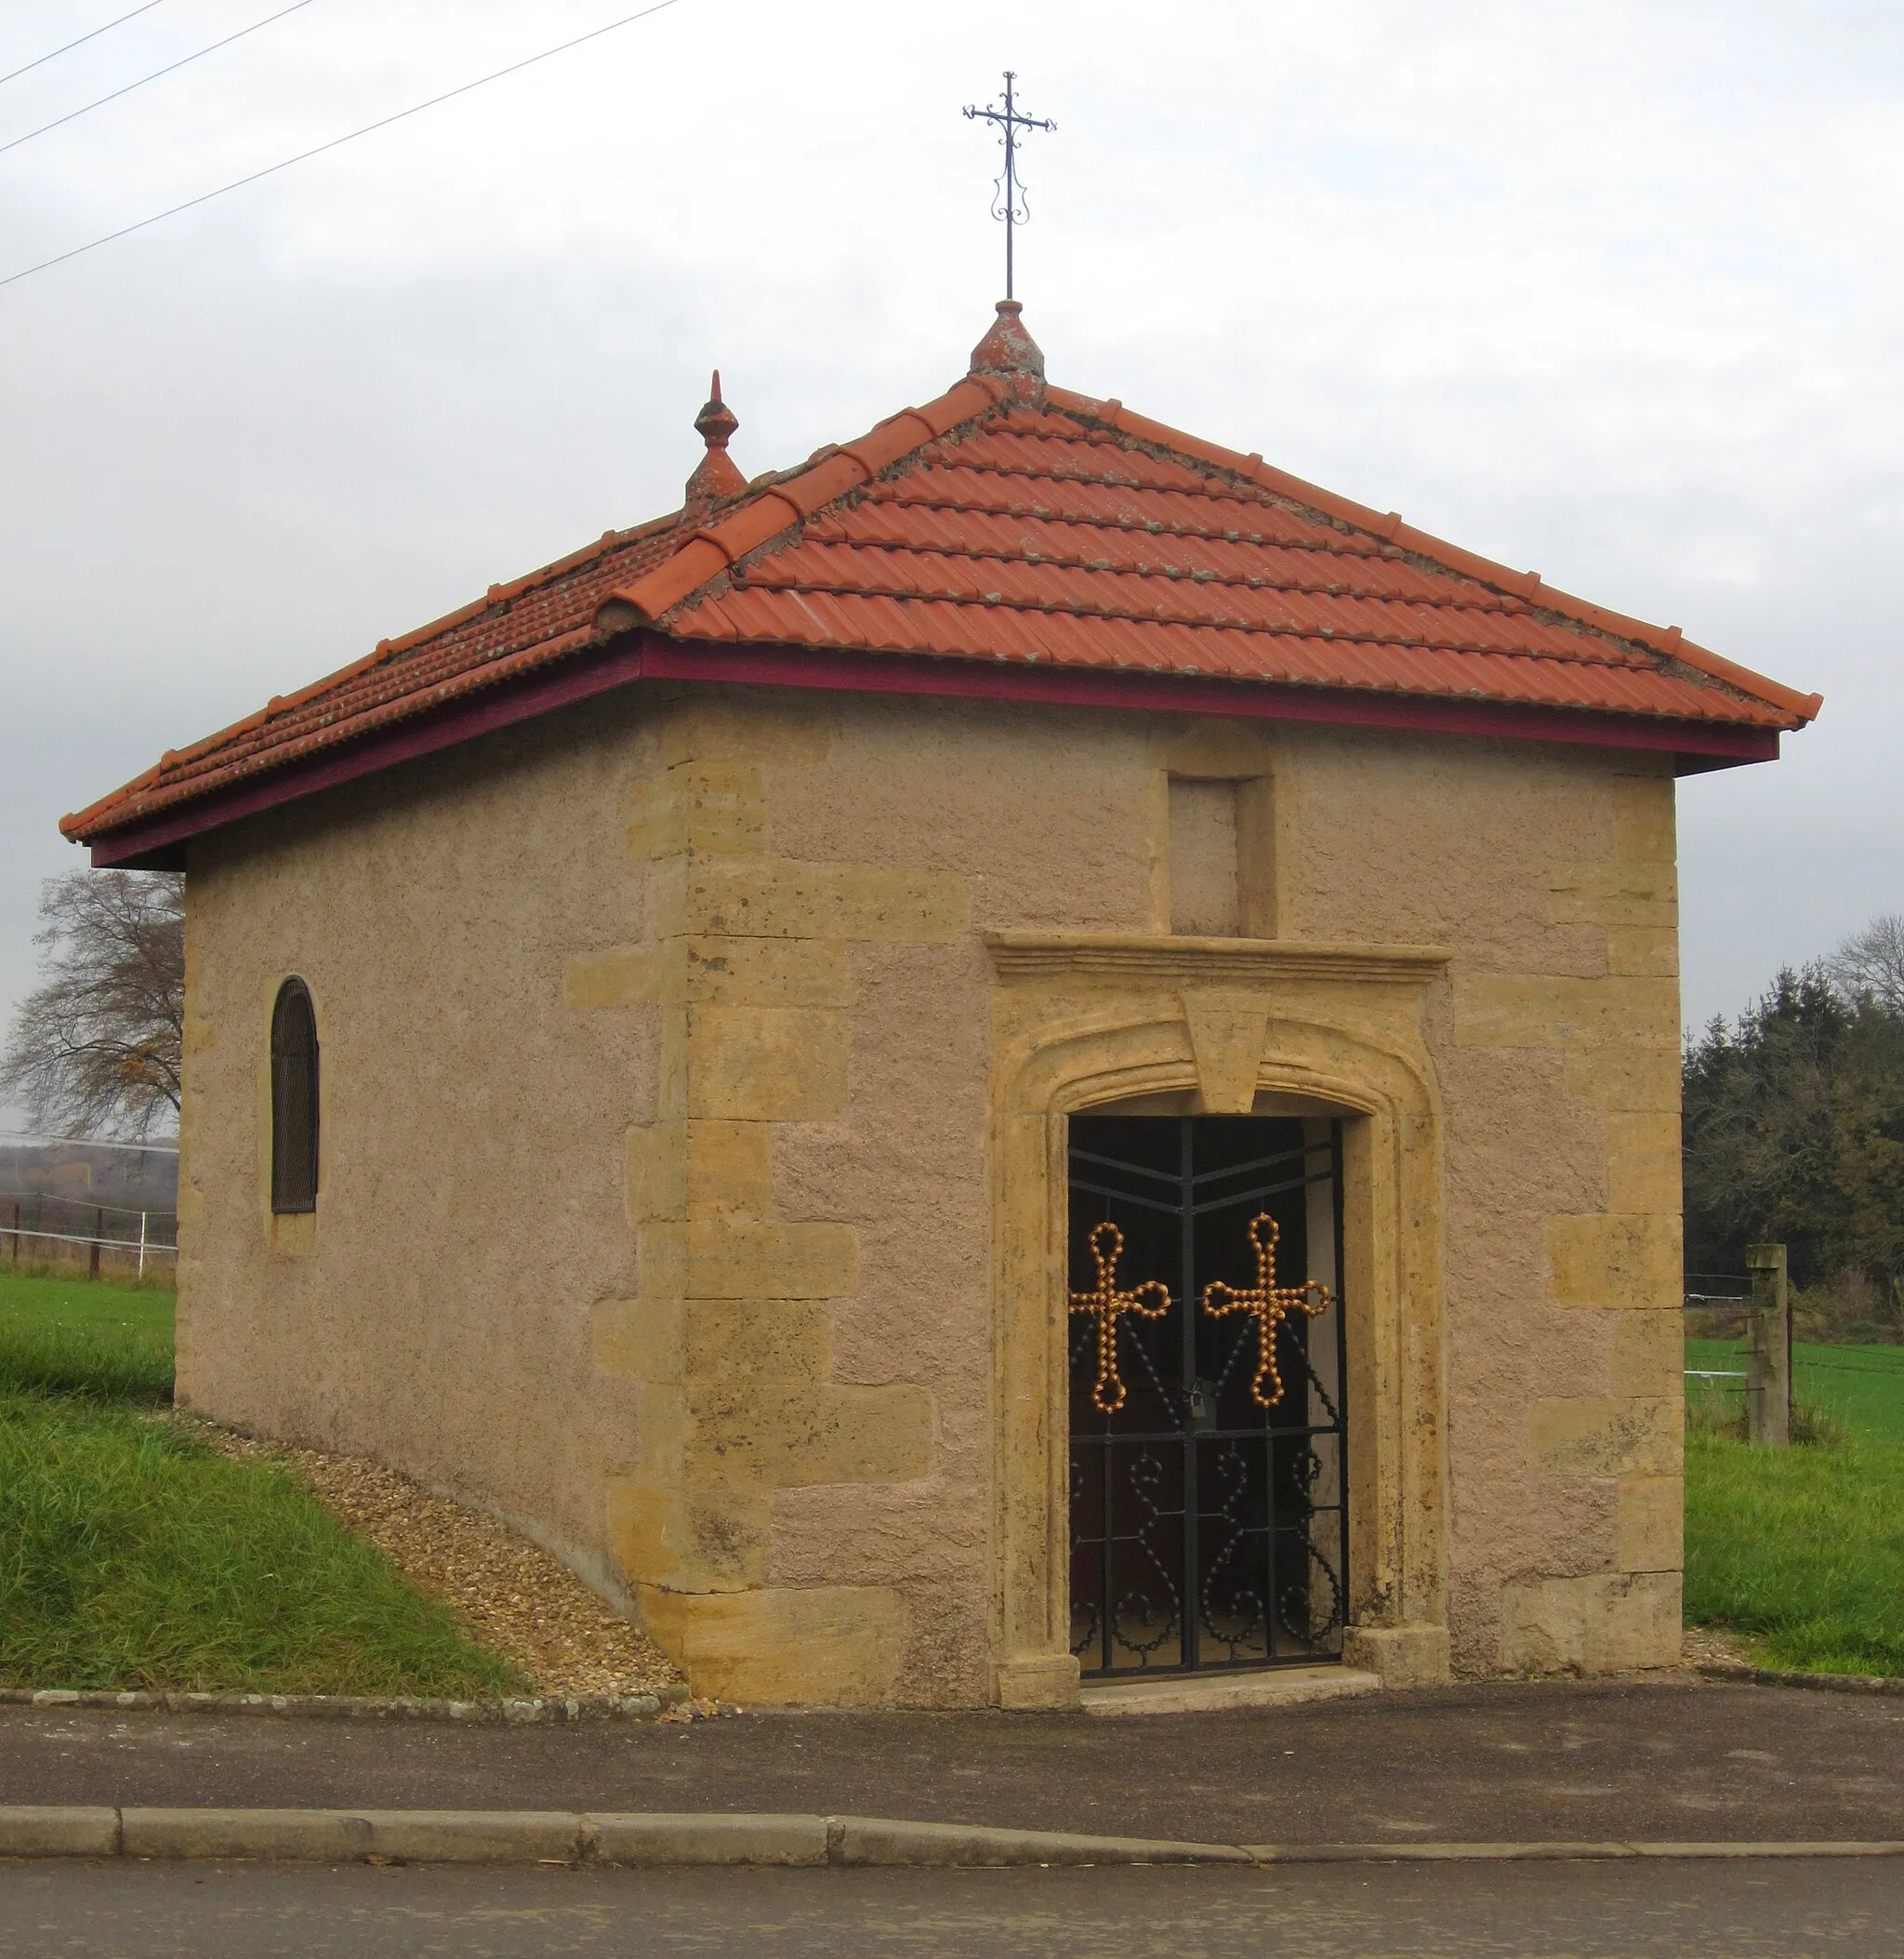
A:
[1088,1020]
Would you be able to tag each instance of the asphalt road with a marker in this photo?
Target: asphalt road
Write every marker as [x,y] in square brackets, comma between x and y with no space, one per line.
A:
[1791,1908]
[1563,1761]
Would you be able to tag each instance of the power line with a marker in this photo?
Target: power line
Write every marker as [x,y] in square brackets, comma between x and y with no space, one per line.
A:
[80,43]
[171,67]
[336,142]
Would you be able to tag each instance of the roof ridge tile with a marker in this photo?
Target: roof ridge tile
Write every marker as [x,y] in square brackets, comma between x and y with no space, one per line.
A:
[848,468]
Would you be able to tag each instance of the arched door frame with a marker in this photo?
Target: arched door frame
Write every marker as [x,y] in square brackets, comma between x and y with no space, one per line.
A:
[1087,1021]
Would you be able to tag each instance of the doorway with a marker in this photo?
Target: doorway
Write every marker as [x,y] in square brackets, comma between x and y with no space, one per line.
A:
[1208,1440]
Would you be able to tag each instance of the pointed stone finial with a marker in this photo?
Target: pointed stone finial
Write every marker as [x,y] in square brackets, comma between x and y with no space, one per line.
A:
[1007,351]
[716,476]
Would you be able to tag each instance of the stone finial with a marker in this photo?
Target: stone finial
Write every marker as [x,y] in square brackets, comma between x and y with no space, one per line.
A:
[1007,351]
[716,476]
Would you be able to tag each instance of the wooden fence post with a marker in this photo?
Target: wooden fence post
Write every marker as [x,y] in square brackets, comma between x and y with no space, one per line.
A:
[92,1270]
[1768,1366]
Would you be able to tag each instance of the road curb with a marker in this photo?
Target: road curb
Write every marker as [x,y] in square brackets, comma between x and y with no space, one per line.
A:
[542,1836]
[1741,1674]
[1552,1852]
[360,1707]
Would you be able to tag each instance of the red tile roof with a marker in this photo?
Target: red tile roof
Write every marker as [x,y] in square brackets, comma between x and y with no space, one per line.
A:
[1022,527]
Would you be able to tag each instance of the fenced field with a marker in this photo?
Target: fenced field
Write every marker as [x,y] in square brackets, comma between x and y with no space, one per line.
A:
[1801,1550]
[42,1230]
[1857,1389]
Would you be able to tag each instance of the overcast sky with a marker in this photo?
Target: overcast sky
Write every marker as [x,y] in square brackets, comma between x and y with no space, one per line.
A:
[1611,292]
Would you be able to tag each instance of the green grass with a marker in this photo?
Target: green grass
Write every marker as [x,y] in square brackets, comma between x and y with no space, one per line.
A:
[144,1310]
[70,1337]
[131,1555]
[1801,1550]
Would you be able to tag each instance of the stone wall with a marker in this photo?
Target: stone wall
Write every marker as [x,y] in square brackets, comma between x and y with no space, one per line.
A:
[658,1208]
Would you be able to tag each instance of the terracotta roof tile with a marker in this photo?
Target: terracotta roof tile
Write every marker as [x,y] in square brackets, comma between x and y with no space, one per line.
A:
[1010,523]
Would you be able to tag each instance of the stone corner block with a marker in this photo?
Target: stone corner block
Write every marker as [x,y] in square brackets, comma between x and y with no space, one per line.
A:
[830,1646]
[1531,1011]
[1652,1524]
[1617,1258]
[1042,1681]
[679,1545]
[1605,1436]
[620,977]
[704,730]
[736,1258]
[1649,1356]
[1399,1656]
[767,1064]
[780,898]
[1604,1622]
[788,1435]
[1626,1077]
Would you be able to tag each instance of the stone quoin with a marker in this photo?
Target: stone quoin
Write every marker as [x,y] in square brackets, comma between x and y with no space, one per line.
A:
[747,957]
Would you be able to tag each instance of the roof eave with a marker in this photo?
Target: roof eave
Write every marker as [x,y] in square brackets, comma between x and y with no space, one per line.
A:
[157,842]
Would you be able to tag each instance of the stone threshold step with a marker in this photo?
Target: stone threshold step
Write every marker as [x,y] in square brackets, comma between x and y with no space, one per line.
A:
[1211,1693]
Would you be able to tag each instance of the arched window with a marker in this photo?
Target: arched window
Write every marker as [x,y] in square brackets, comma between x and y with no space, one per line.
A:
[294,1100]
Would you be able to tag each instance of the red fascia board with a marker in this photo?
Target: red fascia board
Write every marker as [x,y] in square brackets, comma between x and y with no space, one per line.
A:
[158,844]
[1725,743]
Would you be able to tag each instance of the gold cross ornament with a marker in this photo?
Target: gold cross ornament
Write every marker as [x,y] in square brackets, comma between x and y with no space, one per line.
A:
[1106,1304]
[1267,1301]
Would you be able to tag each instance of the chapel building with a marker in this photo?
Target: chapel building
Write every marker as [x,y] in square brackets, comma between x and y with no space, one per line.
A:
[1031,1052]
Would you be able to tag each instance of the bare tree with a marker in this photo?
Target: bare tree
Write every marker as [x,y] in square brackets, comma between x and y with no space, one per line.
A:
[1870,964]
[95,1049]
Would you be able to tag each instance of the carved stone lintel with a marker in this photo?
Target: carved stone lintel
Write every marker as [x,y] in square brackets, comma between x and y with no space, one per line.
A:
[1123,959]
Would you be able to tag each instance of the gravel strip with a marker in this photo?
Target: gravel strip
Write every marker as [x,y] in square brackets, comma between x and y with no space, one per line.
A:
[515,1600]
[1708,1646]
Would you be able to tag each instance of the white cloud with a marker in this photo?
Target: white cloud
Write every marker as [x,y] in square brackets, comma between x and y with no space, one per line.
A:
[1601,289]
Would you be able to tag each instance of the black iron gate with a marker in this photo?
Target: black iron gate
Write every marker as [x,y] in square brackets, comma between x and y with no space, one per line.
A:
[1209,1522]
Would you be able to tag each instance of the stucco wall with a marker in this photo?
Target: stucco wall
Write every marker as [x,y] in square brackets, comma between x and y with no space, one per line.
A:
[655,1206]
[471,1199]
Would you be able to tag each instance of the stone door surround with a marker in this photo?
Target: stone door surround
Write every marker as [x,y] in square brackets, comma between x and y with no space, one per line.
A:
[1222,1026]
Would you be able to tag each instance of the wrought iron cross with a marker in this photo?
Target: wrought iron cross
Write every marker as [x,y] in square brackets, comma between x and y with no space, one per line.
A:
[1007,199]
[1108,1305]
[1267,1301]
